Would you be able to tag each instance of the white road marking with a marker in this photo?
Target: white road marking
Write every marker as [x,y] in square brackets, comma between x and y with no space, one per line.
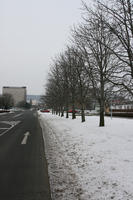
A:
[3,128]
[11,123]
[26,135]
[18,115]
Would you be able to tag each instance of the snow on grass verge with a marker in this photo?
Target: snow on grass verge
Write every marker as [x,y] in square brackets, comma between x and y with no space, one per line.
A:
[86,161]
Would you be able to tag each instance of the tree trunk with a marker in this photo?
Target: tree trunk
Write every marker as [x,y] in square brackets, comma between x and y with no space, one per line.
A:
[73,112]
[82,114]
[102,105]
[62,112]
[59,111]
[101,114]
[73,106]
[67,115]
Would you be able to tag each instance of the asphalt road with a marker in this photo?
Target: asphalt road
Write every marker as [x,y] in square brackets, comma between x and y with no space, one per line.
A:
[23,167]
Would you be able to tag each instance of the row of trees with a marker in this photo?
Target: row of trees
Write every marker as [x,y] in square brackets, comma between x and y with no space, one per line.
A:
[6,101]
[98,62]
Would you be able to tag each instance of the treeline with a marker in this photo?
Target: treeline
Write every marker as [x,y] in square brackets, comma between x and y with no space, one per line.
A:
[99,59]
[6,101]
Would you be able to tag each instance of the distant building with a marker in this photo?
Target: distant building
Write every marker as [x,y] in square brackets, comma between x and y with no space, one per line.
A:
[18,93]
[34,100]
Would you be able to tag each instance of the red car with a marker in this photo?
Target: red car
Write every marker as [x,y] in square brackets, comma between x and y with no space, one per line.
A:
[70,111]
[43,110]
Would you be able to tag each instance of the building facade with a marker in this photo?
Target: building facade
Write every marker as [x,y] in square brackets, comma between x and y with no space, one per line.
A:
[18,94]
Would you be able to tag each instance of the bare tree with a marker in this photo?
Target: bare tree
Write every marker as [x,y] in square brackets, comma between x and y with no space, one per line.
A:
[1,101]
[120,24]
[7,101]
[71,79]
[92,37]
[68,83]
[65,81]
[55,95]
[83,82]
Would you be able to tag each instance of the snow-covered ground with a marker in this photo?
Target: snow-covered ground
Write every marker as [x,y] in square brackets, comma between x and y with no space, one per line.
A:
[88,162]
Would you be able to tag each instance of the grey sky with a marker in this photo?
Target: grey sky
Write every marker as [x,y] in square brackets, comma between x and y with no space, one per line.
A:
[33,31]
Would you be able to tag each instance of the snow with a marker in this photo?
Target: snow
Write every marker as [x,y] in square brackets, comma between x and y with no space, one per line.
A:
[86,161]
[3,113]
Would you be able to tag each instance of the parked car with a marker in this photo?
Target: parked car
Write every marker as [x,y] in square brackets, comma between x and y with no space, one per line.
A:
[44,110]
[70,111]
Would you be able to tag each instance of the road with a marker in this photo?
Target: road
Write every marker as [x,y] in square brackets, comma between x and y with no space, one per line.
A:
[23,167]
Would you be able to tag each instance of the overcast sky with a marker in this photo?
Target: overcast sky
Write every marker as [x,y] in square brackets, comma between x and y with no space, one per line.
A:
[32,32]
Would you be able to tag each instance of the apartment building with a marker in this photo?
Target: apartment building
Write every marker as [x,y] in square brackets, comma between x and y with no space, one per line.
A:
[18,93]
